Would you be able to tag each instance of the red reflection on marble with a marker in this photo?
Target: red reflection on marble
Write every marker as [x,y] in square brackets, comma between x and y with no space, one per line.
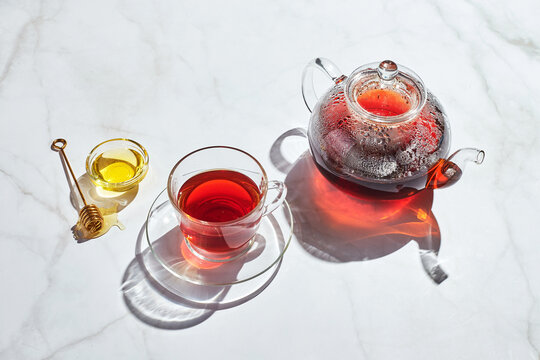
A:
[370,217]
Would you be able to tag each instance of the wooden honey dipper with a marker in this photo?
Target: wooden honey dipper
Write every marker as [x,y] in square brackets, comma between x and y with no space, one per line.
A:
[90,217]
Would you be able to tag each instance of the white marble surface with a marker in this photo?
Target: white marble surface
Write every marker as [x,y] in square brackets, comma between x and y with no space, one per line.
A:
[180,75]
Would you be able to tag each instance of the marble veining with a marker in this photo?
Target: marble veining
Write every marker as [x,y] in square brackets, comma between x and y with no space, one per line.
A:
[176,76]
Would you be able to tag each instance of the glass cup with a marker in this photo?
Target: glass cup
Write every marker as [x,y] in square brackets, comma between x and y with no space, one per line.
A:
[220,195]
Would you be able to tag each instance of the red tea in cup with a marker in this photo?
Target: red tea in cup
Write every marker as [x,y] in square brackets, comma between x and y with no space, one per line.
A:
[218,196]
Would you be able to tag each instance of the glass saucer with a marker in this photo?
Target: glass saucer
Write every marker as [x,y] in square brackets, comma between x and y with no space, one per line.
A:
[169,247]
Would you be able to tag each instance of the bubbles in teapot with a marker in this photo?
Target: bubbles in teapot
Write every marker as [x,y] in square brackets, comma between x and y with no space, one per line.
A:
[351,146]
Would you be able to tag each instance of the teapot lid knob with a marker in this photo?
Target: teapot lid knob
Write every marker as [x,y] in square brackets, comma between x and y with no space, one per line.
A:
[387,70]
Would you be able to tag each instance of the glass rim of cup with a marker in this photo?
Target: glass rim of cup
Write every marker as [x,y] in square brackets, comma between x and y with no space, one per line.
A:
[263,189]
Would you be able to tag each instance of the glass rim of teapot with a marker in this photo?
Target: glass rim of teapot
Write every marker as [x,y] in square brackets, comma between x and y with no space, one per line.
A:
[400,79]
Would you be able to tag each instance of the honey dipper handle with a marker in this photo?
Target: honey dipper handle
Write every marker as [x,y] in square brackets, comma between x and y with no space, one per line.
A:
[62,144]
[59,145]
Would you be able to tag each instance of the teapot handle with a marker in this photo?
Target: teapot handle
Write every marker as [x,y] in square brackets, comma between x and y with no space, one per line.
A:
[308,90]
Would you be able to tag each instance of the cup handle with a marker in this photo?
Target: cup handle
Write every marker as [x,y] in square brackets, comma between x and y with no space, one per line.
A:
[308,90]
[281,189]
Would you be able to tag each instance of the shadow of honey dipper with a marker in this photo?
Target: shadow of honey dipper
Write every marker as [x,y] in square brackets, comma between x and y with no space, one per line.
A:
[104,199]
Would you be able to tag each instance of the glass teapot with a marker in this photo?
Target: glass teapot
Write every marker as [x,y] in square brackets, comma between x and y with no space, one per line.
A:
[380,131]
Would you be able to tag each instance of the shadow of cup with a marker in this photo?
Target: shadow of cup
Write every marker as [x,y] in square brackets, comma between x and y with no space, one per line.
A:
[151,292]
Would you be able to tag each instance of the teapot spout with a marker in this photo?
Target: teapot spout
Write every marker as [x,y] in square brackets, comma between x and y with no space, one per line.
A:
[465,155]
[448,171]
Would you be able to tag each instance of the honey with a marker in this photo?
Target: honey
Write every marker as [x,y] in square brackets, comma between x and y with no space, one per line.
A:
[117,166]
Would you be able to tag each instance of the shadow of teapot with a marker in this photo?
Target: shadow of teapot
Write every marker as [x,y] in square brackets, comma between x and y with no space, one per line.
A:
[337,224]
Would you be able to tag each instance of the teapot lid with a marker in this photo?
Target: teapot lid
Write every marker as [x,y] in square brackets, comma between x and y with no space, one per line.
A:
[386,92]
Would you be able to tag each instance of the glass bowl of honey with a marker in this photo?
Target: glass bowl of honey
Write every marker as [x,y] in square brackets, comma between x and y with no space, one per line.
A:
[117,164]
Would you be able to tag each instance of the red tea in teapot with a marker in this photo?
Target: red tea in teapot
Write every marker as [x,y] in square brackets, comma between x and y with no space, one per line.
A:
[380,129]
[444,173]
[383,102]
